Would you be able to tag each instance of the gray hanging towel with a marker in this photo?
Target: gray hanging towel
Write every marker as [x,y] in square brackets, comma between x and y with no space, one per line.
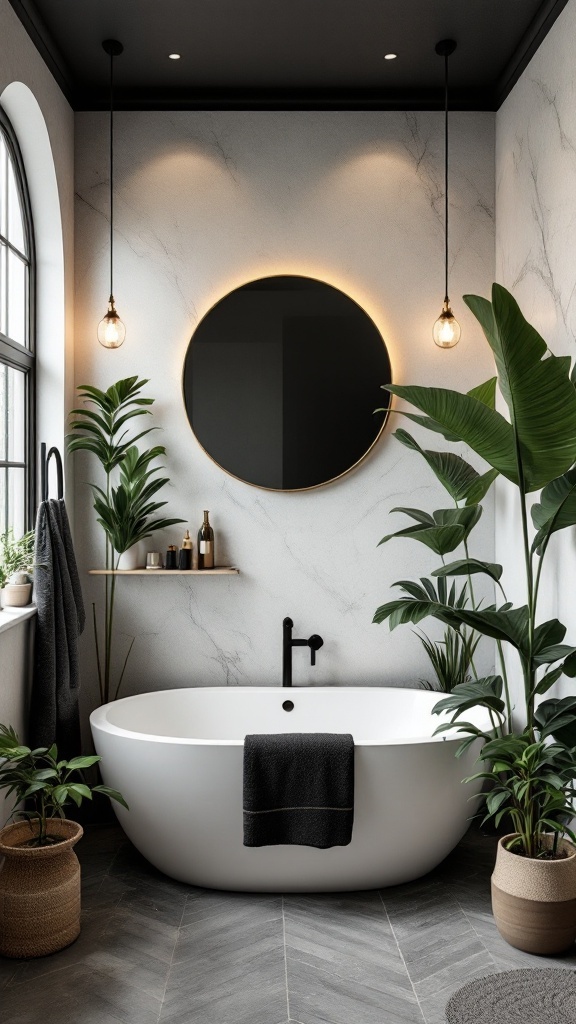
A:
[54,711]
[298,789]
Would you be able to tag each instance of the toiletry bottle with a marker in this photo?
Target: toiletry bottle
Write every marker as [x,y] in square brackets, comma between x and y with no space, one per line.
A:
[206,545]
[171,557]
[185,560]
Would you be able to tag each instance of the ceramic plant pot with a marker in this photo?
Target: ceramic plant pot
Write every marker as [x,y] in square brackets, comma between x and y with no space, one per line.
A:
[534,901]
[134,557]
[39,890]
[17,595]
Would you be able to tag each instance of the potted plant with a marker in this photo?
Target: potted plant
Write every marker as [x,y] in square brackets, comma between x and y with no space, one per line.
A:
[531,778]
[16,567]
[40,879]
[125,505]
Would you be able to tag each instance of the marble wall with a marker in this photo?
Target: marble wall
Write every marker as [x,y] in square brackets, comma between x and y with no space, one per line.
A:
[208,201]
[535,219]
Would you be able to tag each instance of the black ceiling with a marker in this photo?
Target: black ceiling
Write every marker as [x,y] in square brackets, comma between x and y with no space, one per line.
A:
[287,54]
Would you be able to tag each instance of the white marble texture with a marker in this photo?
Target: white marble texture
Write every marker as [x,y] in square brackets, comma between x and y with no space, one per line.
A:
[535,221]
[205,202]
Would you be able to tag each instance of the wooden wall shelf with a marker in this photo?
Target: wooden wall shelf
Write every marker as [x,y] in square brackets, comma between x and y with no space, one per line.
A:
[223,570]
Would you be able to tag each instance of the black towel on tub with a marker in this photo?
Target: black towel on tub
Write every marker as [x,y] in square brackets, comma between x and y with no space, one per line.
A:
[298,789]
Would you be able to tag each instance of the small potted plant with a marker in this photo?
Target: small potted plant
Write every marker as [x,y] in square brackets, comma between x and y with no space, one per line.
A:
[534,879]
[40,878]
[16,566]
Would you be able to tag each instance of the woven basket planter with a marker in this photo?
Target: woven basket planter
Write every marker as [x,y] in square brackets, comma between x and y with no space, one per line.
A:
[39,891]
[534,901]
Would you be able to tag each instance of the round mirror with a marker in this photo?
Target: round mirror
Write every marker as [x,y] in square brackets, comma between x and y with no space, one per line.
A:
[281,380]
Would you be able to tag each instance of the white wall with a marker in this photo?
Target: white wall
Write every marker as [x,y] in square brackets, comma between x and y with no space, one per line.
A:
[44,123]
[205,202]
[15,674]
[535,222]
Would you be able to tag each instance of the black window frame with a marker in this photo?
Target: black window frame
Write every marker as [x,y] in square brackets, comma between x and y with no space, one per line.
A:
[13,354]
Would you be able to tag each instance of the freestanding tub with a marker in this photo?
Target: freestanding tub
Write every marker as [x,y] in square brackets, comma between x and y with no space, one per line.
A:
[176,756]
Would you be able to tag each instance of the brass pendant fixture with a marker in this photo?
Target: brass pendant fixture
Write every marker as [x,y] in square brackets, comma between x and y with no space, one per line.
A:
[446,331]
[111,330]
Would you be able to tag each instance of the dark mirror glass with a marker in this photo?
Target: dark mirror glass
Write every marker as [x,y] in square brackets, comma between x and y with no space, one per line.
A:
[281,381]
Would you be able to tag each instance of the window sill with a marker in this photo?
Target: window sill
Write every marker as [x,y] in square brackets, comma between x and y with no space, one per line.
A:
[12,616]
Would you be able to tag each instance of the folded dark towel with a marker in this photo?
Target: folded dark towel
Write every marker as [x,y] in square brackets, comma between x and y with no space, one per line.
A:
[298,789]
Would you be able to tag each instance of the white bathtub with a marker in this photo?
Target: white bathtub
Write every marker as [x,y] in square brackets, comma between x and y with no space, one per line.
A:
[176,755]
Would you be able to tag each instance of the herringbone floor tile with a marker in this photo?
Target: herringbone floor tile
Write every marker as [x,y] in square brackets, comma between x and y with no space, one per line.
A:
[155,951]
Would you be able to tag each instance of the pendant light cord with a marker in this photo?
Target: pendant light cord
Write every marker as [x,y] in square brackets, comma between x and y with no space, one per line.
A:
[446,299]
[111,169]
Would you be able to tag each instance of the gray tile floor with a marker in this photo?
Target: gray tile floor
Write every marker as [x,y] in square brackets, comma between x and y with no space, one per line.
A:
[154,951]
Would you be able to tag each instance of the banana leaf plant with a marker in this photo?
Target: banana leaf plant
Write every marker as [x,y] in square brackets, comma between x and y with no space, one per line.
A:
[126,510]
[443,532]
[535,449]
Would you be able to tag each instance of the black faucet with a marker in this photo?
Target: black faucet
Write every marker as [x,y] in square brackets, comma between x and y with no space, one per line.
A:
[314,642]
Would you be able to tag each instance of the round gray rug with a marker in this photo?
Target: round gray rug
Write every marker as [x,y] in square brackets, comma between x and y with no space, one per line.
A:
[516,997]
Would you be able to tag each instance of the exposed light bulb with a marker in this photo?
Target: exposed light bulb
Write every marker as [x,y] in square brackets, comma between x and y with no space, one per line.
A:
[111,330]
[174,56]
[446,331]
[390,56]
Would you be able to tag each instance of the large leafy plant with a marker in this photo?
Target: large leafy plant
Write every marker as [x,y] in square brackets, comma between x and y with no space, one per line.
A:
[126,505]
[535,449]
[47,784]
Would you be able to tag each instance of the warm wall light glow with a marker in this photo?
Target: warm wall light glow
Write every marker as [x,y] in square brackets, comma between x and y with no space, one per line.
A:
[390,56]
[111,330]
[446,331]
[174,56]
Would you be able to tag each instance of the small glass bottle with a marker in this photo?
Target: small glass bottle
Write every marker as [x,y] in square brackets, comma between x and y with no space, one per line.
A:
[206,545]
[171,557]
[185,560]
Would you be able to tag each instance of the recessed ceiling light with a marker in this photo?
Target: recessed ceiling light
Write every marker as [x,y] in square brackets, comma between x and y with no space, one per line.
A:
[174,56]
[390,56]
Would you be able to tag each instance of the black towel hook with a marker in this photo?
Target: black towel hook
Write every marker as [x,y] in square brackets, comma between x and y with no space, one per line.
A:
[44,464]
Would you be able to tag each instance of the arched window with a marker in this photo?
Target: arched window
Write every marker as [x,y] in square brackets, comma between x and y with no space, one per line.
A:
[17,272]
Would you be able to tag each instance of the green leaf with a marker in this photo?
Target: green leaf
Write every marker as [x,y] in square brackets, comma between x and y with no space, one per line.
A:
[466,419]
[45,773]
[452,527]
[80,790]
[113,794]
[548,680]
[485,393]
[481,486]
[423,600]
[485,692]
[569,667]
[551,654]
[556,509]
[82,762]
[550,632]
[508,624]
[469,567]
[557,717]
[415,513]
[456,476]
[535,385]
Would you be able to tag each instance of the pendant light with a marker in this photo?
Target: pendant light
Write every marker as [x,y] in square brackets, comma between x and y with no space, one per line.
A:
[111,330]
[446,330]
